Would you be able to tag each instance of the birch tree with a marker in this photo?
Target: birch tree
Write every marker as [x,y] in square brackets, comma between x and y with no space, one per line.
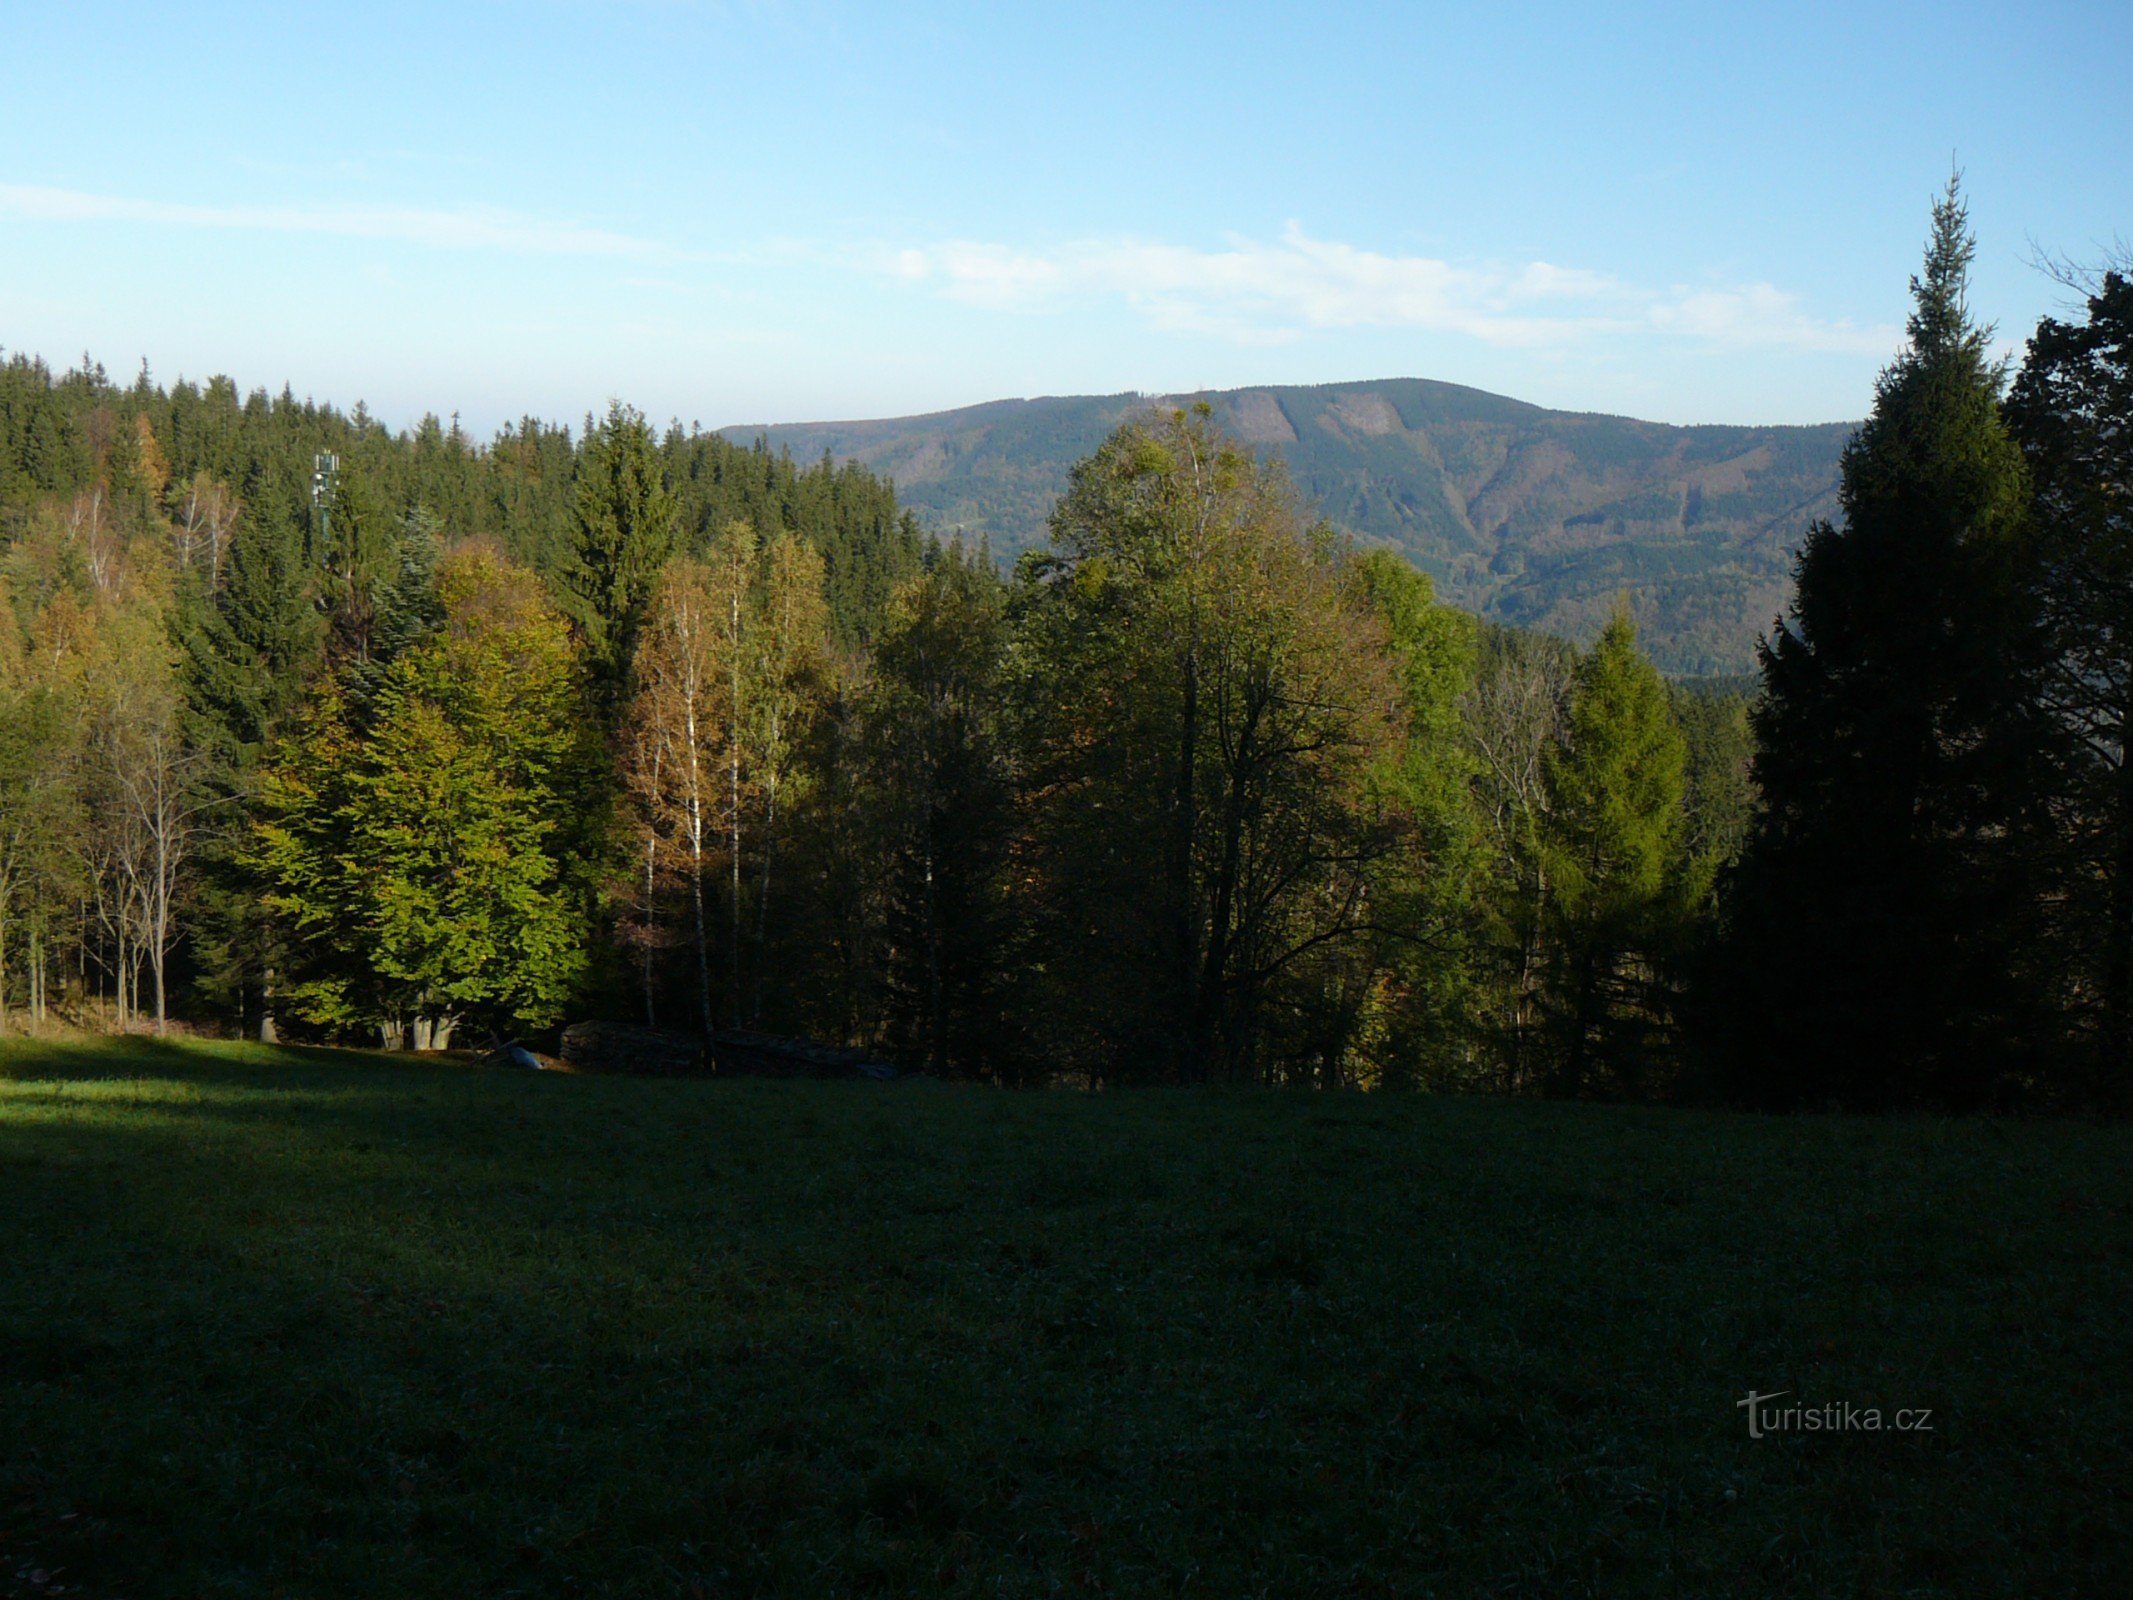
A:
[677,746]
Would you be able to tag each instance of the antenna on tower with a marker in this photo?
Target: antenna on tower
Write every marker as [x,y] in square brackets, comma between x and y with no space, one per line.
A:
[323,468]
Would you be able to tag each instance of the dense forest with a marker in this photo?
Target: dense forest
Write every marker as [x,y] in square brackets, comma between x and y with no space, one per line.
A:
[309,728]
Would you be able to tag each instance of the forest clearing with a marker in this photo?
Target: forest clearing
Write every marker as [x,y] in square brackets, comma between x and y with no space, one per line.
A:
[305,1322]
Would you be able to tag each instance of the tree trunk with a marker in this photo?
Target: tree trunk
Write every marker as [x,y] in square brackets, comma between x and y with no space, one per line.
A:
[696,895]
[1185,823]
[36,980]
[762,897]
[1209,1021]
[733,814]
[733,912]
[166,867]
[268,1033]
[422,1033]
[2117,1065]
[651,855]
[936,1023]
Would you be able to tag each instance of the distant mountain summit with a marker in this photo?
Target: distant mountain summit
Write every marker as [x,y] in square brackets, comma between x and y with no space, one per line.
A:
[1530,516]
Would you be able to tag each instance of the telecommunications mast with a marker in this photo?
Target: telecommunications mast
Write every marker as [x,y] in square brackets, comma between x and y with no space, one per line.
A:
[323,468]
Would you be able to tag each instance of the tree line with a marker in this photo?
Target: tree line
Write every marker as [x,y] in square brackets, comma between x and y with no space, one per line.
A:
[657,727]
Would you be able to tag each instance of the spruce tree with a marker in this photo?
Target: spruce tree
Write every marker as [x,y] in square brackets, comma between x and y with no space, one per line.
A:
[248,649]
[1615,785]
[429,855]
[626,519]
[1883,948]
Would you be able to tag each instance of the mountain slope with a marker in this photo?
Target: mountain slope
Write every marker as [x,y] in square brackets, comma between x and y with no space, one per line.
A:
[1531,516]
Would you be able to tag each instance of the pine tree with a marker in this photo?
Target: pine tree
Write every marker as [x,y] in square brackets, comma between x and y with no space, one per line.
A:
[1883,950]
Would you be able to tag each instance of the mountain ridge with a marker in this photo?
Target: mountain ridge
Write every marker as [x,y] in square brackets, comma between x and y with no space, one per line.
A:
[1528,515]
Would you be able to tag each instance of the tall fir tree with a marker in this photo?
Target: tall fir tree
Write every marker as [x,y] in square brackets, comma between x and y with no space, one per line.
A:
[626,522]
[1615,784]
[249,647]
[1883,947]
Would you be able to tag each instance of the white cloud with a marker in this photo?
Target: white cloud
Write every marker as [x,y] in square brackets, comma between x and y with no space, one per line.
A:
[474,228]
[1760,314]
[1257,291]
[1250,291]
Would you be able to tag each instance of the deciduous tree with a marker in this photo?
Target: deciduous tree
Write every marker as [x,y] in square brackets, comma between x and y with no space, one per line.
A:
[2072,412]
[1206,698]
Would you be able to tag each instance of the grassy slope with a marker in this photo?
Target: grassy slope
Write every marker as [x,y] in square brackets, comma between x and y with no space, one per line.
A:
[272,1323]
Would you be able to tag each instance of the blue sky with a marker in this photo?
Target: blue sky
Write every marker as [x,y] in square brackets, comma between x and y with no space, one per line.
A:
[779,212]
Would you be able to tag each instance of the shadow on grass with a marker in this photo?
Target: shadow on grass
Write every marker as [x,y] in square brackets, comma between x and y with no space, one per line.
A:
[429,1330]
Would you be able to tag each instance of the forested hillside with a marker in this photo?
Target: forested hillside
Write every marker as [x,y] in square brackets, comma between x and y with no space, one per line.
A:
[212,461]
[1531,517]
[311,727]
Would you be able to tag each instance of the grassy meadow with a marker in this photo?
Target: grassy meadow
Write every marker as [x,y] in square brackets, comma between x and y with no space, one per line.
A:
[287,1323]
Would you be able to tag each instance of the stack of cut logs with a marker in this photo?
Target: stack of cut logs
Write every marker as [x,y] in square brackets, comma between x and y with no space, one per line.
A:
[654,1052]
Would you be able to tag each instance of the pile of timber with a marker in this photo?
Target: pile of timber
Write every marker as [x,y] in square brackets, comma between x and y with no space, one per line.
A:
[654,1052]
[765,1055]
[646,1052]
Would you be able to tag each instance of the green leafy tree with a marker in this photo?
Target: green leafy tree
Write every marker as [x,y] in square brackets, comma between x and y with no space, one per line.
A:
[1884,945]
[1414,998]
[41,816]
[1514,715]
[1206,698]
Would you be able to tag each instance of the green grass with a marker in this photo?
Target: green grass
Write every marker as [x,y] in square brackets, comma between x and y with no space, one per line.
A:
[286,1323]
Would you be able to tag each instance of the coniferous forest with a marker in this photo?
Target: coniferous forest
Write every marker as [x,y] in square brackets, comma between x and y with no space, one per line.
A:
[313,730]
